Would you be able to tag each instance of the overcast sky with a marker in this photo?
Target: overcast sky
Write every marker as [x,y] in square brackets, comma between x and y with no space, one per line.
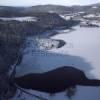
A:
[42,2]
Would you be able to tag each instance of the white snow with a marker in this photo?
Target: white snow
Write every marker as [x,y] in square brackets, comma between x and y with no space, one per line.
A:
[86,44]
[82,12]
[89,15]
[28,18]
[84,53]
[66,17]
[94,7]
[92,15]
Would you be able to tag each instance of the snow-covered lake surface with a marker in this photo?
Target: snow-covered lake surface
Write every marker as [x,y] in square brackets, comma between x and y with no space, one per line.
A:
[28,18]
[82,50]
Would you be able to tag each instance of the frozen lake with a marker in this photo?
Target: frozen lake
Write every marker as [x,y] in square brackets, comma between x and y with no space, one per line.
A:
[82,50]
[21,19]
[85,43]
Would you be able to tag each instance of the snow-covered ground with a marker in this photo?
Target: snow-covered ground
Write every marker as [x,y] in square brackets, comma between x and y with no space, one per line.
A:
[91,16]
[81,51]
[65,17]
[37,43]
[28,18]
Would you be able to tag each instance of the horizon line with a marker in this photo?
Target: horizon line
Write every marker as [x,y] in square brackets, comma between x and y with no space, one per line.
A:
[49,4]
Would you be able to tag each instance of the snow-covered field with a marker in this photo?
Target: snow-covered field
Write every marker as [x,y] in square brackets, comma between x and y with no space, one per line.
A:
[81,51]
[28,18]
[91,16]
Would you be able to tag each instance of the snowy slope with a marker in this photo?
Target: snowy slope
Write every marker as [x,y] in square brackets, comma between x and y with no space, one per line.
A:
[83,53]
